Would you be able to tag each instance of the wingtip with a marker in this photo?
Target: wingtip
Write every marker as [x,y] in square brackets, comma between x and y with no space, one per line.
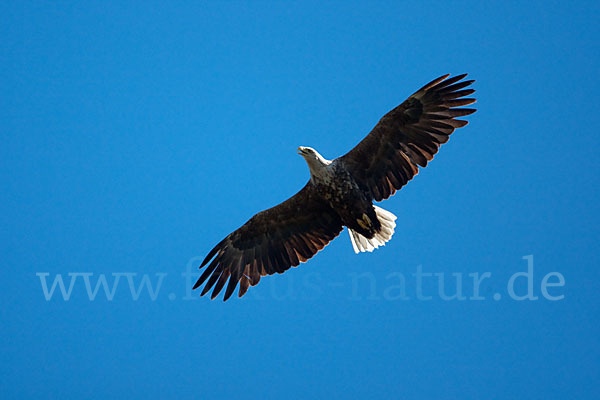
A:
[207,288]
[443,81]
[433,83]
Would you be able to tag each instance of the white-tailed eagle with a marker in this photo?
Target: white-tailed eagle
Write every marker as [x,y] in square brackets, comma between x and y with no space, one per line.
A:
[341,192]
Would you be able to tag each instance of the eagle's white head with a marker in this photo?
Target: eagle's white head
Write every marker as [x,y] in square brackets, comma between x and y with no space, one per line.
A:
[317,164]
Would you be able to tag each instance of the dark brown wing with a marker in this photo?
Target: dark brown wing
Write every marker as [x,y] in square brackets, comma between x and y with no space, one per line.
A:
[271,241]
[408,136]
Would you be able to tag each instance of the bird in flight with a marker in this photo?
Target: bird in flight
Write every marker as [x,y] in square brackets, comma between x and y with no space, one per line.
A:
[341,192]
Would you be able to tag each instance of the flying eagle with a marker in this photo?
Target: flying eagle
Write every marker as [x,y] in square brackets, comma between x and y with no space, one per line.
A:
[341,192]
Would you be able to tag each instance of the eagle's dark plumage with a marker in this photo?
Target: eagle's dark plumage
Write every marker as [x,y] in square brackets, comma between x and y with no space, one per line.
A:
[340,192]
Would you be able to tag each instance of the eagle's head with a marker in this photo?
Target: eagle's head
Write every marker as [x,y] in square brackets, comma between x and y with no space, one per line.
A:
[316,162]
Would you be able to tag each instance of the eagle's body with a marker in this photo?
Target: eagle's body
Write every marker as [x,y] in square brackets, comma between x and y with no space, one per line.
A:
[341,192]
[354,205]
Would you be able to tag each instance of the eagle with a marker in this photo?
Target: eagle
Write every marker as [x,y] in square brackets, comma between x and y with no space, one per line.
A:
[340,193]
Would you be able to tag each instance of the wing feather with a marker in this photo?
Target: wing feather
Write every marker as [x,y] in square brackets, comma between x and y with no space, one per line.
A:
[271,242]
[409,136]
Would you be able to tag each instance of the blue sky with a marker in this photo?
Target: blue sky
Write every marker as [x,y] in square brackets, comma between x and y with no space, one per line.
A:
[136,136]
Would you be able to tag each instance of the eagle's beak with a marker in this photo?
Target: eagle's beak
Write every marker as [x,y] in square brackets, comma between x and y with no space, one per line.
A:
[301,150]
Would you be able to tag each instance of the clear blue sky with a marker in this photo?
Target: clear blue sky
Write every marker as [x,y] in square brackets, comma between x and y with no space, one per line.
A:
[135,135]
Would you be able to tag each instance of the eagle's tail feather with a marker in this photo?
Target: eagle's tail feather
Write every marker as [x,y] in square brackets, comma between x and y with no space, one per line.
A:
[361,243]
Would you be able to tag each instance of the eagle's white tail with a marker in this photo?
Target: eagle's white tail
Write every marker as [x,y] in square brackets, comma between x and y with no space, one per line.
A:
[361,243]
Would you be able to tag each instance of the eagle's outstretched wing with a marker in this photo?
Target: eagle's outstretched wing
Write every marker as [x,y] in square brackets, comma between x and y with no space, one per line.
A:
[271,241]
[409,136]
